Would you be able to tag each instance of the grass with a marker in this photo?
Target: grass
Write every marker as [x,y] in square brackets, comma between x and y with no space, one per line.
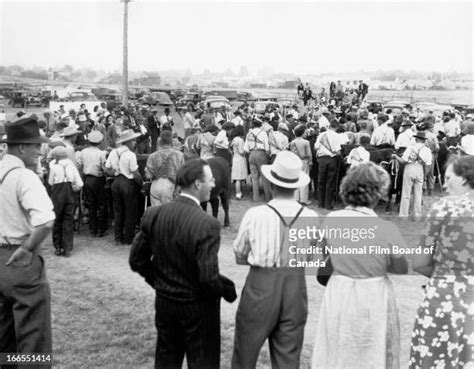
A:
[103,313]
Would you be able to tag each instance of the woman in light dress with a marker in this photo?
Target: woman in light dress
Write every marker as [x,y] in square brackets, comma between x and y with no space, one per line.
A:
[239,161]
[358,325]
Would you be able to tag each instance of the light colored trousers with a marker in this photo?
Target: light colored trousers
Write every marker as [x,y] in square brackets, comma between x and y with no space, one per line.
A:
[301,194]
[412,182]
[257,158]
[161,191]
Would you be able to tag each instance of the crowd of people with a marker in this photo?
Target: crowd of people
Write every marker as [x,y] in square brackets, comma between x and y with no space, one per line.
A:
[112,160]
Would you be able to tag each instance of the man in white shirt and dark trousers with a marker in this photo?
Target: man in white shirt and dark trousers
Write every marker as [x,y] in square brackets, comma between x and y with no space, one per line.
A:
[123,162]
[91,162]
[328,148]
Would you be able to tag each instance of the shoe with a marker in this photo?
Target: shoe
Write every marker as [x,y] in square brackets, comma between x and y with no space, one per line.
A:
[238,196]
[118,243]
[57,252]
[93,234]
[101,234]
[66,254]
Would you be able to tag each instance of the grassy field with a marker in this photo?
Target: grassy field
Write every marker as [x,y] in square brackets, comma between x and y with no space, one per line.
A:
[103,313]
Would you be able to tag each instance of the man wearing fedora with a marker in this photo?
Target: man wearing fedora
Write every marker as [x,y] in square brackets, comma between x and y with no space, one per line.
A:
[91,162]
[274,299]
[122,163]
[417,159]
[26,219]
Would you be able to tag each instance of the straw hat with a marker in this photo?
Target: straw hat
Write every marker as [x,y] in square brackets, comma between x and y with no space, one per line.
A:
[95,137]
[70,131]
[59,152]
[128,135]
[286,171]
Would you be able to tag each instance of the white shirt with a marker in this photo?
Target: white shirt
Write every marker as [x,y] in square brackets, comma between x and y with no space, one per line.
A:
[238,121]
[64,171]
[24,202]
[164,119]
[467,144]
[323,122]
[188,121]
[328,143]
[221,141]
[404,139]
[418,151]
[383,135]
[452,128]
[281,143]
[358,156]
[122,161]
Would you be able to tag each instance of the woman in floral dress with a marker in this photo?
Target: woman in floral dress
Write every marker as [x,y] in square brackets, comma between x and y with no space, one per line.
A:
[443,336]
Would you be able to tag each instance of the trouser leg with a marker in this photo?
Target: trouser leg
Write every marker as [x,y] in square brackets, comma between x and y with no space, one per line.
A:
[130,201]
[406,191]
[322,177]
[119,209]
[331,182]
[68,221]
[417,193]
[255,176]
[59,202]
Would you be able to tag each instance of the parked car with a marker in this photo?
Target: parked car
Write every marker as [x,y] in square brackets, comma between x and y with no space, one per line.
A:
[190,99]
[34,100]
[216,102]
[18,98]
[469,110]
[111,100]
[374,105]
[245,97]
[396,107]
[261,107]
[156,98]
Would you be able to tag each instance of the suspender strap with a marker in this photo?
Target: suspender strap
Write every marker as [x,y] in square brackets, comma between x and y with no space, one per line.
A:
[7,173]
[286,226]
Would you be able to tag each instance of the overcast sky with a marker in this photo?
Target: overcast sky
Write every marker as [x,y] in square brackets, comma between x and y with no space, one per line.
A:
[299,37]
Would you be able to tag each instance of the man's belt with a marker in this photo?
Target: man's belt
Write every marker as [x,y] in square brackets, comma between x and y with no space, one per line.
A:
[8,245]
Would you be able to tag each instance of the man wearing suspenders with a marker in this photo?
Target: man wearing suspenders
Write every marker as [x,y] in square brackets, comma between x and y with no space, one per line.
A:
[26,219]
[274,300]
[123,162]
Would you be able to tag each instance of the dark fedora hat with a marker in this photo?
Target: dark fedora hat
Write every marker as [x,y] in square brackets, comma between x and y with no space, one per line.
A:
[23,131]
[421,135]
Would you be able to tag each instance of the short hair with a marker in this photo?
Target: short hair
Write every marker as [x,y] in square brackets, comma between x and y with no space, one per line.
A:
[256,123]
[334,124]
[166,138]
[364,140]
[300,130]
[191,171]
[463,166]
[238,132]
[364,185]
[363,125]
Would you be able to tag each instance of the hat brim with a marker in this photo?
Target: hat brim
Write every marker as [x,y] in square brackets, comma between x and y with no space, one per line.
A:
[33,140]
[133,137]
[303,180]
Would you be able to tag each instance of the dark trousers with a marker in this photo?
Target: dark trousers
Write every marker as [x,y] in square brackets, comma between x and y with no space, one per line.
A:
[187,328]
[64,201]
[274,305]
[124,195]
[95,194]
[25,307]
[327,181]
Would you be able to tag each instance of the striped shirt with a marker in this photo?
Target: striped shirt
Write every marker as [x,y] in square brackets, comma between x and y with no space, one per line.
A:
[259,239]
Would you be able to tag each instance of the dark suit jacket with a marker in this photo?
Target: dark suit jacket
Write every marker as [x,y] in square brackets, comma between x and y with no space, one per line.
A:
[176,251]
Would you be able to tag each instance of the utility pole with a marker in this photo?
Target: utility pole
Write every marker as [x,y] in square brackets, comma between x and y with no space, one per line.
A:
[125,54]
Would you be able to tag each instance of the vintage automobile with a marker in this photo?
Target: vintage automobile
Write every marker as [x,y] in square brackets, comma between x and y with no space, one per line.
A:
[216,102]
[469,110]
[261,107]
[156,98]
[396,107]
[191,99]
[18,99]
[112,100]
[245,97]
[374,105]
[34,100]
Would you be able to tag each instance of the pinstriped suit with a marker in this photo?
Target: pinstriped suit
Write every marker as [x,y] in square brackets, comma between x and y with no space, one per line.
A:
[184,243]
